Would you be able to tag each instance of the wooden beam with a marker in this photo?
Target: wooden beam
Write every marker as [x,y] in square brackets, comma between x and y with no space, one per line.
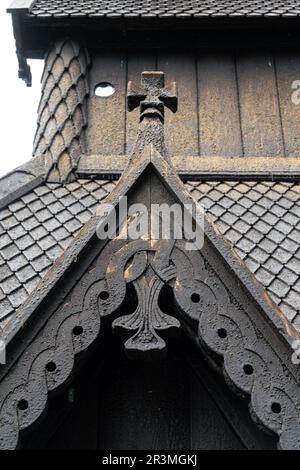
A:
[238,167]
[19,6]
[262,168]
[103,165]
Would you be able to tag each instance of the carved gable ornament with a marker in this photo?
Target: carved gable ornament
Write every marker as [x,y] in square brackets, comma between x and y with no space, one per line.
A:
[209,287]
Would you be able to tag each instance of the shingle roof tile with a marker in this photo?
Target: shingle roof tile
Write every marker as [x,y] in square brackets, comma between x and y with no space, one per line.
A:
[268,244]
[29,247]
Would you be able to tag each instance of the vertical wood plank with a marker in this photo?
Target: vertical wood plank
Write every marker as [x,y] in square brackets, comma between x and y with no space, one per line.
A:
[288,70]
[181,128]
[137,63]
[106,131]
[219,121]
[226,403]
[70,426]
[260,116]
[144,405]
[209,429]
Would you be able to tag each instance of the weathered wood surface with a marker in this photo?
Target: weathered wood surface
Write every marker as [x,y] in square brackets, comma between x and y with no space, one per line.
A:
[259,107]
[219,121]
[144,406]
[288,71]
[191,166]
[136,64]
[106,131]
[228,105]
[177,403]
[182,72]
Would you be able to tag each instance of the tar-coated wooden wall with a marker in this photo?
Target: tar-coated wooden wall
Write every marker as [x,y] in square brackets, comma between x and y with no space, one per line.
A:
[229,105]
[176,403]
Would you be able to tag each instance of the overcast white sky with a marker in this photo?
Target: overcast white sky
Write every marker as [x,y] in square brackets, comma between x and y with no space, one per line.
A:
[18,103]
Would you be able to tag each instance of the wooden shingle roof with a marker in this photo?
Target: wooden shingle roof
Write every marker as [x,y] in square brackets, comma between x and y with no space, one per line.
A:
[165,8]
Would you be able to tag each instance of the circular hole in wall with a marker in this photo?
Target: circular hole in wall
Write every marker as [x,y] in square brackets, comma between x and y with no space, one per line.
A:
[248,369]
[51,366]
[23,405]
[222,333]
[104,90]
[104,295]
[276,407]
[195,298]
[77,330]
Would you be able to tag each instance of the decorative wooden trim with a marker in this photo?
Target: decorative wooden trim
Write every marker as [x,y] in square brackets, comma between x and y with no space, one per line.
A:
[191,167]
[173,183]
[253,360]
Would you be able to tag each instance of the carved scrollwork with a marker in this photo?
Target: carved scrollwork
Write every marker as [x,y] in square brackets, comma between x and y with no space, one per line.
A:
[250,362]
[46,365]
[49,360]
[148,265]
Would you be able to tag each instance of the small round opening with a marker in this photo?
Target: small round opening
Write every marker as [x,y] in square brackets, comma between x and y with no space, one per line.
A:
[51,366]
[195,298]
[77,330]
[222,333]
[104,295]
[23,405]
[276,407]
[104,90]
[248,369]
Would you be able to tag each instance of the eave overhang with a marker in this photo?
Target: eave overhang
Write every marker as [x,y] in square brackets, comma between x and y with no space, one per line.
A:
[35,34]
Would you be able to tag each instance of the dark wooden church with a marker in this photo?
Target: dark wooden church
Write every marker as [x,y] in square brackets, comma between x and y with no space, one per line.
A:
[142,343]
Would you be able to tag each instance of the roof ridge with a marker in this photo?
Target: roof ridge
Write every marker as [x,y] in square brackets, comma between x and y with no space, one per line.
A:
[19,181]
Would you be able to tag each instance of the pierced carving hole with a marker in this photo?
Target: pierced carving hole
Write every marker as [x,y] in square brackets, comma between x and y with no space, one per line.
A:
[77,330]
[104,90]
[222,333]
[248,369]
[23,405]
[276,408]
[195,298]
[51,366]
[104,295]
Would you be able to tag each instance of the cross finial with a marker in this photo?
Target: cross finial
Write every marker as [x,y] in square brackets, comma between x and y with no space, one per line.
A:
[152,95]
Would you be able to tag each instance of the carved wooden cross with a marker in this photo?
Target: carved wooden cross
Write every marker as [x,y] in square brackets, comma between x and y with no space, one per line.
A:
[152,95]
